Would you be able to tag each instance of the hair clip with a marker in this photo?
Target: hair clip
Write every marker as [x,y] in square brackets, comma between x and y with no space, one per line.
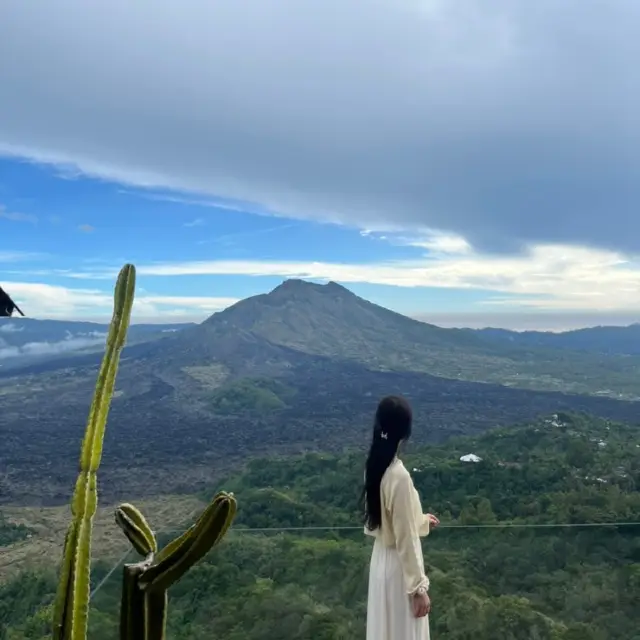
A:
[383,435]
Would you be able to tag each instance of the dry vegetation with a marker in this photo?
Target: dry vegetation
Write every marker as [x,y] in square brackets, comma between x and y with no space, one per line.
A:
[49,524]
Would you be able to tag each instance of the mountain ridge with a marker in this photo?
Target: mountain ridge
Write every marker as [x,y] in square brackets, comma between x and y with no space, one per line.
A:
[300,319]
[252,314]
[604,339]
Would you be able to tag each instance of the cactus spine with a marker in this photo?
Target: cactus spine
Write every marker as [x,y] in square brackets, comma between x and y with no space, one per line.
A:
[71,609]
[144,588]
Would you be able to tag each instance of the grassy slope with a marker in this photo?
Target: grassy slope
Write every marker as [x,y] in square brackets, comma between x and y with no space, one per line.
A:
[47,527]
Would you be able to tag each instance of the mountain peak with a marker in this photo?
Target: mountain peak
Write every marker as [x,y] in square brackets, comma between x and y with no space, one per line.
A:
[330,320]
[310,296]
[297,285]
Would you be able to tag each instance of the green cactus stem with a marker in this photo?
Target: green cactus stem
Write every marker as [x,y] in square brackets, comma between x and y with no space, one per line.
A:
[145,584]
[71,609]
[136,528]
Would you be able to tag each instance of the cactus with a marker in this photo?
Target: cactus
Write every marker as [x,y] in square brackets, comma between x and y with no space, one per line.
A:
[71,609]
[144,587]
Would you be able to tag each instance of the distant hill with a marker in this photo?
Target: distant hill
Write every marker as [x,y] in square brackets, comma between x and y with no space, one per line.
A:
[264,334]
[26,340]
[301,322]
[329,320]
[602,340]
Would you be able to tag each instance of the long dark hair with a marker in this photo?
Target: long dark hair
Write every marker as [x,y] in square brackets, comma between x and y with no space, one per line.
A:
[391,426]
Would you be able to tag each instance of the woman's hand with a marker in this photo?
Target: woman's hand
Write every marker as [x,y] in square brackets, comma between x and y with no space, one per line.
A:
[433,521]
[421,605]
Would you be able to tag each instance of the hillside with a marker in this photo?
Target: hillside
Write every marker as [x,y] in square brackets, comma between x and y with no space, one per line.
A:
[262,334]
[176,428]
[487,583]
[329,320]
[227,390]
[601,340]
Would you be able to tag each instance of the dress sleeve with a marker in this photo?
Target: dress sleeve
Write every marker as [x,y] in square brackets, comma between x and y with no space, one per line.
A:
[425,525]
[407,532]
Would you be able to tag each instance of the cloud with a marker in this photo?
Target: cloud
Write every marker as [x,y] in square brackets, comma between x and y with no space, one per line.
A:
[209,203]
[198,222]
[230,239]
[18,256]
[437,243]
[551,277]
[15,216]
[39,300]
[10,327]
[86,228]
[510,123]
[71,343]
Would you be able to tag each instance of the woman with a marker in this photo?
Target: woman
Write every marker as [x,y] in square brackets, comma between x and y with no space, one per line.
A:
[399,604]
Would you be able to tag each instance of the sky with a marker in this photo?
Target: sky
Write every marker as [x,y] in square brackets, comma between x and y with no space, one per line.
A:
[467,163]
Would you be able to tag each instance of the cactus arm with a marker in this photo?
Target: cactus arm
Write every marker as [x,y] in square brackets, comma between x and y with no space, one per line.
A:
[176,543]
[171,549]
[143,609]
[155,614]
[66,578]
[132,621]
[143,616]
[81,584]
[210,528]
[137,529]
[94,435]
[71,607]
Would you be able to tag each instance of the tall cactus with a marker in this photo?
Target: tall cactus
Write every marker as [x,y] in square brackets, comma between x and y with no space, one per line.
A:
[71,609]
[144,587]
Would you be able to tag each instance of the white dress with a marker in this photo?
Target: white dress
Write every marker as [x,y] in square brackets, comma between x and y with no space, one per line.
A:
[397,566]
[389,612]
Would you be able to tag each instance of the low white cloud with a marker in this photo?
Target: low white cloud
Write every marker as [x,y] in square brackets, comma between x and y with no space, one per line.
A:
[198,222]
[70,343]
[553,277]
[10,327]
[40,300]
[437,243]
[16,216]
[446,244]
[18,256]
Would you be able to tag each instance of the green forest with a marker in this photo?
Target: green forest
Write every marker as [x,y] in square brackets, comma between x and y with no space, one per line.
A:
[491,577]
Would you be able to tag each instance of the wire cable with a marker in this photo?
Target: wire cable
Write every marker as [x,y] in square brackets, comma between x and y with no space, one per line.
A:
[110,573]
[495,525]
